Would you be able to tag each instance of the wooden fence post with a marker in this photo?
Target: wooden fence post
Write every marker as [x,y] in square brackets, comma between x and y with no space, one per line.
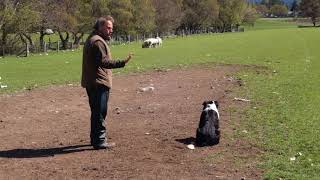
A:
[3,51]
[45,47]
[27,50]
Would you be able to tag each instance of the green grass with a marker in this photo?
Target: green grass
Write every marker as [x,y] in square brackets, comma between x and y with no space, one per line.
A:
[272,23]
[283,117]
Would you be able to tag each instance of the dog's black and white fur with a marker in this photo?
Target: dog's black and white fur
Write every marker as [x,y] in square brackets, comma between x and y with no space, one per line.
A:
[208,132]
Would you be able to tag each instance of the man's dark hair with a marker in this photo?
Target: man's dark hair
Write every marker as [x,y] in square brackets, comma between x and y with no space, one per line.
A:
[102,21]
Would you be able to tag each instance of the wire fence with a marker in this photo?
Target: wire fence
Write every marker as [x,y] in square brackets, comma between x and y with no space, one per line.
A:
[16,48]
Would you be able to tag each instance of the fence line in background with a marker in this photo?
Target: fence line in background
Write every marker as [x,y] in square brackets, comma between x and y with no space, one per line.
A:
[26,50]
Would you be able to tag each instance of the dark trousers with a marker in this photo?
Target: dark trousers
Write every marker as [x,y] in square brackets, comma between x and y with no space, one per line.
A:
[98,100]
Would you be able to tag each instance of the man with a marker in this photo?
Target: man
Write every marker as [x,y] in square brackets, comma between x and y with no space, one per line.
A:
[97,78]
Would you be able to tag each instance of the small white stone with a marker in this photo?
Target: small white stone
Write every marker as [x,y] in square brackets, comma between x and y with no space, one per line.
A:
[241,99]
[145,89]
[292,158]
[191,146]
[245,131]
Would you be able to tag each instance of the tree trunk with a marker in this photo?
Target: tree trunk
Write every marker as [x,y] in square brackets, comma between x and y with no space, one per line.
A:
[24,41]
[42,34]
[313,19]
[3,41]
[65,40]
[28,37]
[77,38]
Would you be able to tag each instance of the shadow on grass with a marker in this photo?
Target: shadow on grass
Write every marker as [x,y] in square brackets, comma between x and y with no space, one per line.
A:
[310,26]
[46,152]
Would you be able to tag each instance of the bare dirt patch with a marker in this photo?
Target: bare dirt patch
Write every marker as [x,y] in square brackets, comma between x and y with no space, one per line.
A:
[44,133]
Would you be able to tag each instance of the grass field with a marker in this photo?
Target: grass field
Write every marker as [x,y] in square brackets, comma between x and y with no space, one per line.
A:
[272,23]
[283,117]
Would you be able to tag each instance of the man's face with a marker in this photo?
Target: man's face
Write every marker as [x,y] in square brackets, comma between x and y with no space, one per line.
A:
[107,30]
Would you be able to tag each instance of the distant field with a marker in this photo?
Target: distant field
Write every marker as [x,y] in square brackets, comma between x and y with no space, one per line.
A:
[283,117]
[272,23]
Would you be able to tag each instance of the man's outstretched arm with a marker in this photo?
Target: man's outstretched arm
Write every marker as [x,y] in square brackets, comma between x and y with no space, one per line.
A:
[103,59]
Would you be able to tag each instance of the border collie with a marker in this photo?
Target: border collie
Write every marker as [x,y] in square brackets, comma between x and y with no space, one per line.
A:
[208,133]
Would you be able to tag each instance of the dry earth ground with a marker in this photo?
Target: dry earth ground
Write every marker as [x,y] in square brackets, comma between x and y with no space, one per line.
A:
[44,133]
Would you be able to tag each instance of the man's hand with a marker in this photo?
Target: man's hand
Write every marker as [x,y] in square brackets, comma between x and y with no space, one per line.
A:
[128,58]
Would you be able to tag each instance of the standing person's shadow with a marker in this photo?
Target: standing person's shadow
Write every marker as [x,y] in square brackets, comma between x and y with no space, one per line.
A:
[45,152]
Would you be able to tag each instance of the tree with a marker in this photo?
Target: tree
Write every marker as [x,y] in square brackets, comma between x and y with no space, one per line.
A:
[250,15]
[238,8]
[208,11]
[262,10]
[199,13]
[270,3]
[294,6]
[264,2]
[143,16]
[121,10]
[310,8]
[231,13]
[274,2]
[279,10]
[26,20]
[84,16]
[168,15]
[65,20]
[100,8]
[7,13]
[48,17]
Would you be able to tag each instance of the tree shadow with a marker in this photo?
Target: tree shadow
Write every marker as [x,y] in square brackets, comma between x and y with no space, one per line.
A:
[45,152]
[308,26]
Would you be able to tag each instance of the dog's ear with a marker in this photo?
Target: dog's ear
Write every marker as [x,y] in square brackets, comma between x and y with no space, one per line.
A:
[204,103]
[217,104]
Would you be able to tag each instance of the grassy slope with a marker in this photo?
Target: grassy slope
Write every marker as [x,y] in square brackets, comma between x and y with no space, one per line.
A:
[286,120]
[272,23]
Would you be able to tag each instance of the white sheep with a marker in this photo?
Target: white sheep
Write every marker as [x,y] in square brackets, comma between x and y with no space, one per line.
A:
[159,41]
[152,42]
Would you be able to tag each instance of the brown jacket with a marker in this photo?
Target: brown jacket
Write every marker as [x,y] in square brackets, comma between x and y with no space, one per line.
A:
[97,63]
